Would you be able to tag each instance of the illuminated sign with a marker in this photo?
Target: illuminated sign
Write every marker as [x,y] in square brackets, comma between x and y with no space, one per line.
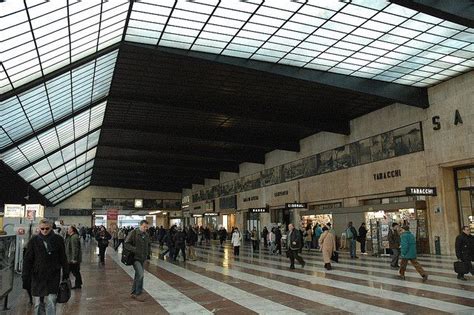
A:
[258,210]
[211,214]
[421,191]
[296,205]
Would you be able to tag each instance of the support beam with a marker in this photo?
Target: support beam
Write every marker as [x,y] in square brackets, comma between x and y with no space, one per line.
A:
[234,156]
[409,95]
[221,137]
[456,11]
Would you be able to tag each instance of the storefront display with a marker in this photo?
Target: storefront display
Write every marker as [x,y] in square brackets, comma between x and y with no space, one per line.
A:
[464,179]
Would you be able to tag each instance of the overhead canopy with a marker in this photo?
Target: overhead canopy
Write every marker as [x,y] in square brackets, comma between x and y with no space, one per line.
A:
[161,94]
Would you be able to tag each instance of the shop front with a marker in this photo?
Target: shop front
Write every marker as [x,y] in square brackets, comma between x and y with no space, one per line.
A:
[210,220]
[378,215]
[464,182]
[227,210]
[314,216]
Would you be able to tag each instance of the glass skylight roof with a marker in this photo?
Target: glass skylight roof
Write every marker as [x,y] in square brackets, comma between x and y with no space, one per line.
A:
[43,36]
[370,39]
[57,98]
[60,159]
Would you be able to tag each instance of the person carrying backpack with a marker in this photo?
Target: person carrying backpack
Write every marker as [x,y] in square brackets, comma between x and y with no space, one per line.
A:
[351,236]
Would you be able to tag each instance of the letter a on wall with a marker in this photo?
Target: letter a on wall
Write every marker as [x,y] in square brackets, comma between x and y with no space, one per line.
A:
[457,118]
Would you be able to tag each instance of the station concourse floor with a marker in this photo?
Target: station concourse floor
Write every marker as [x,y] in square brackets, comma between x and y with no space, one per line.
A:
[219,283]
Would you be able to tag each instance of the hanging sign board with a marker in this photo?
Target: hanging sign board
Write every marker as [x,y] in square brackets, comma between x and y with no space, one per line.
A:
[296,205]
[258,210]
[211,214]
[112,214]
[14,211]
[421,191]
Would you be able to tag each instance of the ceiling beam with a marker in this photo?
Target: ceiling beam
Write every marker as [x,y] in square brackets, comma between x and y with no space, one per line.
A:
[258,115]
[151,162]
[408,95]
[456,11]
[232,156]
[218,136]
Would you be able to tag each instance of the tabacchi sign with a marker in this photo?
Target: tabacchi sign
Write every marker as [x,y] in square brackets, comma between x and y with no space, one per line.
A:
[421,191]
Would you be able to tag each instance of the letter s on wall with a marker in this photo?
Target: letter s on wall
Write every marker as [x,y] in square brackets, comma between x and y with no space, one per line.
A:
[436,123]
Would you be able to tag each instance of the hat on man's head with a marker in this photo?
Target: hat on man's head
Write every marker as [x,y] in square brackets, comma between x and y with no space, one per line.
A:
[406,227]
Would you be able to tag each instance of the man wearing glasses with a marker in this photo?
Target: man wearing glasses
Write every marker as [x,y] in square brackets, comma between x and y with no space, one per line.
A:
[44,259]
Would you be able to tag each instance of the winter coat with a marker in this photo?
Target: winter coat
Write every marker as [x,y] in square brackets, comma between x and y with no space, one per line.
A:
[42,267]
[327,243]
[362,233]
[103,239]
[408,245]
[139,243]
[73,249]
[393,239]
[465,247]
[236,238]
[191,237]
[179,239]
[294,240]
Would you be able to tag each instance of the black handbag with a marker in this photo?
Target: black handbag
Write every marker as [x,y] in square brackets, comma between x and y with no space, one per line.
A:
[64,293]
[128,257]
[335,256]
[462,267]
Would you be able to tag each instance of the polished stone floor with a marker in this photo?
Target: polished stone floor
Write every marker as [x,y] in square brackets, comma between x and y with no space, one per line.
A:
[261,283]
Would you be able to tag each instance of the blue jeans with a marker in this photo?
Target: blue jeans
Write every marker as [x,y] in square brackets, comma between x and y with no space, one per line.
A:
[352,247]
[137,288]
[50,302]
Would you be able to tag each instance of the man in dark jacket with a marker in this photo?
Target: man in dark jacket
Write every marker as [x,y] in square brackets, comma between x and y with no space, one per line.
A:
[191,239]
[294,245]
[179,244]
[138,242]
[102,239]
[278,240]
[394,244]
[74,255]
[45,257]
[464,249]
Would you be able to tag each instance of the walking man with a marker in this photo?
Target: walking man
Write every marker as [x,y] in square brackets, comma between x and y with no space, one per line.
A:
[465,250]
[294,242]
[394,244]
[45,256]
[351,235]
[138,242]
[408,253]
[74,255]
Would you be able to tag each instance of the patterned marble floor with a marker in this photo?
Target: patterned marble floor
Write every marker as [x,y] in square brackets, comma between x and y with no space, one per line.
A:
[261,283]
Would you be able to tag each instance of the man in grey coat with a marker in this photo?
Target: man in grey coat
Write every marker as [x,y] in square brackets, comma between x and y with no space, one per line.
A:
[139,243]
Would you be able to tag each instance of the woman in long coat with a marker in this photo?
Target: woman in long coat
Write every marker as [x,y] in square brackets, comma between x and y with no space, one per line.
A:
[327,243]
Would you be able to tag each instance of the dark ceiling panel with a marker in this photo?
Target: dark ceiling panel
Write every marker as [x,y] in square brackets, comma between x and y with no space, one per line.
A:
[173,119]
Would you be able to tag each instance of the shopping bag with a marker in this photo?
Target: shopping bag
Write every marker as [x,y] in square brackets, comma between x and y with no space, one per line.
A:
[64,293]
[335,256]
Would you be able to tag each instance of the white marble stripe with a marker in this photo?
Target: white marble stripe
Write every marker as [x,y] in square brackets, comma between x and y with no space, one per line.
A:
[173,301]
[241,297]
[377,267]
[447,260]
[386,294]
[368,277]
[322,298]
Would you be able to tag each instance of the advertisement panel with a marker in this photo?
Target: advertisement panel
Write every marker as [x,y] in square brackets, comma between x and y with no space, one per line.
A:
[14,211]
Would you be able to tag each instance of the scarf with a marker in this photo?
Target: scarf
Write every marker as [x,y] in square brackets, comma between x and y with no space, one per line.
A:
[47,241]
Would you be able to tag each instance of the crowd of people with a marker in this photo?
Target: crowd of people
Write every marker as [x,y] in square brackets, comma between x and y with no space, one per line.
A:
[54,253]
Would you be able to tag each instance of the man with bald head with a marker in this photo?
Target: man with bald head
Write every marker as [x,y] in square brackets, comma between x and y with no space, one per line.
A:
[294,242]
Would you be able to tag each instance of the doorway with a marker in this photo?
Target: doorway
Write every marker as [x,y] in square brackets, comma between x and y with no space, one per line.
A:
[464,178]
